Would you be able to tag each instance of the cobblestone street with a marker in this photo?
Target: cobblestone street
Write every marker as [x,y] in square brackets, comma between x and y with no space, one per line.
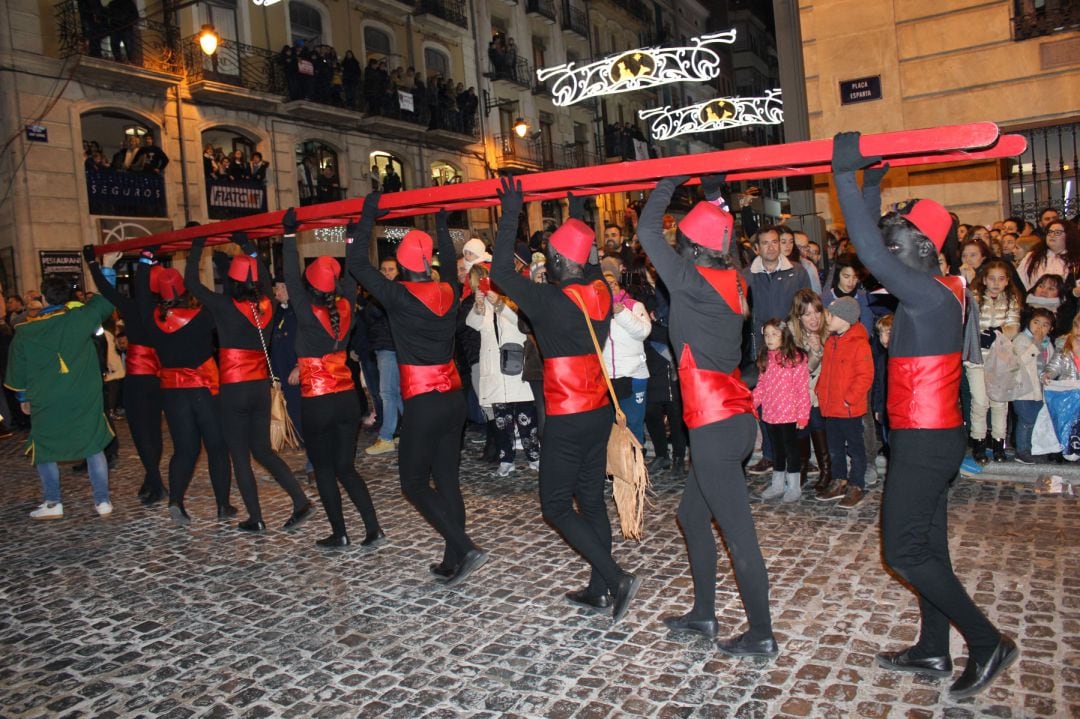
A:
[129,616]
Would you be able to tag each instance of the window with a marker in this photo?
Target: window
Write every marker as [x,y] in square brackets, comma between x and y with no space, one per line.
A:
[317,173]
[437,62]
[376,42]
[306,23]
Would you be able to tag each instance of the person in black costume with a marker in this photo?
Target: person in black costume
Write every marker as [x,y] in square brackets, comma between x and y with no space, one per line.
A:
[708,308]
[328,405]
[243,324]
[423,319]
[579,413]
[926,433]
[141,384]
[183,339]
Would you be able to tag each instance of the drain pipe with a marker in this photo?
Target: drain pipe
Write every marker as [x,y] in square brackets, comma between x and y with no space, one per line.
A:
[183,154]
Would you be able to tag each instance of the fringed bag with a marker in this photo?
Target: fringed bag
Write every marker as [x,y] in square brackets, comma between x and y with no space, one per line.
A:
[625,456]
[282,432]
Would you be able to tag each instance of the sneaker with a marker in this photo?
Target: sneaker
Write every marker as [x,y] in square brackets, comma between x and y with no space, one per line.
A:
[763,466]
[381,446]
[505,468]
[1024,458]
[534,466]
[104,509]
[870,477]
[837,490]
[48,510]
[852,497]
[969,467]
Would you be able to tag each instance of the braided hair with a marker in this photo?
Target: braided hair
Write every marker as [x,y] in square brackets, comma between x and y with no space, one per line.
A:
[329,301]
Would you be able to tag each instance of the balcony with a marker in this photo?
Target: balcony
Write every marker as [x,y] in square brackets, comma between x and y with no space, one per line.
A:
[544,9]
[515,154]
[1050,19]
[574,21]
[140,56]
[320,193]
[451,11]
[126,194]
[228,199]
[454,129]
[237,75]
[518,73]
[576,155]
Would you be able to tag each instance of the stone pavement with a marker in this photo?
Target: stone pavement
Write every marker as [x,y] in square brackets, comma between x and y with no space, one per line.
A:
[131,617]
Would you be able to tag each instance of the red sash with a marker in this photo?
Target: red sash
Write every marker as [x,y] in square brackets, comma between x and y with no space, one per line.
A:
[436,296]
[205,375]
[727,283]
[239,365]
[266,311]
[709,395]
[924,392]
[420,379]
[344,318]
[176,318]
[324,375]
[574,384]
[141,360]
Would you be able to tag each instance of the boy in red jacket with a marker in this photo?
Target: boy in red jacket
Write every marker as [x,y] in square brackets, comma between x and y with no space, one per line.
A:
[847,373]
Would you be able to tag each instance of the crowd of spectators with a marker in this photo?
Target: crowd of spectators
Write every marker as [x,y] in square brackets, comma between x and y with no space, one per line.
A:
[237,167]
[503,55]
[134,155]
[626,140]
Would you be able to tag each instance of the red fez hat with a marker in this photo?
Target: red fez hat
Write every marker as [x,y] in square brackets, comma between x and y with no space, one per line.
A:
[243,268]
[573,240]
[323,273]
[170,284]
[709,226]
[414,251]
[929,218]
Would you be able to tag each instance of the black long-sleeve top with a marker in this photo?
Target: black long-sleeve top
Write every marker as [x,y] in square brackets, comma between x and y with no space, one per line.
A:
[312,339]
[134,327]
[188,347]
[235,330]
[558,322]
[929,320]
[421,337]
[699,316]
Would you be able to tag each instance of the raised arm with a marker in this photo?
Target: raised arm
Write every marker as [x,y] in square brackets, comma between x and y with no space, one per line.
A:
[290,263]
[669,265]
[144,299]
[906,283]
[526,293]
[447,255]
[194,282]
[358,255]
[104,277]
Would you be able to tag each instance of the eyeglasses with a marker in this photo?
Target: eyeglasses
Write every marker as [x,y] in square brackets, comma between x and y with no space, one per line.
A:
[1055,233]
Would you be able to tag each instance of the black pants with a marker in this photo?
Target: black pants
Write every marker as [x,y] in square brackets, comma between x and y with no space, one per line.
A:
[845,437]
[572,467]
[331,422]
[785,446]
[142,409]
[430,450]
[537,387]
[245,412]
[915,538]
[654,422]
[194,418]
[523,416]
[716,489]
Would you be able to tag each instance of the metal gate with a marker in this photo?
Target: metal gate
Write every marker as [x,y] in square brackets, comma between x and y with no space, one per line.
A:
[1047,174]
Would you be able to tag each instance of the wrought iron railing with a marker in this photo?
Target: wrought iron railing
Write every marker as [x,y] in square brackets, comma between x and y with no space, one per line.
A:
[314,195]
[575,20]
[577,155]
[236,64]
[1047,174]
[449,10]
[1034,18]
[144,43]
[544,8]
[512,149]
[518,72]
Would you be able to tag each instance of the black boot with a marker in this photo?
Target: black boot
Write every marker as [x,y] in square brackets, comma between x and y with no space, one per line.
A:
[998,446]
[978,451]
[821,451]
[490,454]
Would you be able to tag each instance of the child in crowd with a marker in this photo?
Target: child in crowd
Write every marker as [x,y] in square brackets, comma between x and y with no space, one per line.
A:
[879,394]
[847,374]
[999,302]
[1051,292]
[1034,350]
[783,393]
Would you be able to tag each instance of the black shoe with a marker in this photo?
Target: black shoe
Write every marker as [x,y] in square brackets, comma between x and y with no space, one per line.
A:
[143,490]
[299,516]
[901,662]
[978,451]
[333,541]
[469,564]
[660,464]
[624,593]
[704,627]
[373,538]
[442,571]
[678,468]
[224,511]
[740,646]
[153,497]
[977,677]
[592,601]
[251,525]
[999,450]
[178,514]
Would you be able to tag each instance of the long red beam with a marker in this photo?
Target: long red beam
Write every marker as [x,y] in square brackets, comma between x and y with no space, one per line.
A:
[952,143]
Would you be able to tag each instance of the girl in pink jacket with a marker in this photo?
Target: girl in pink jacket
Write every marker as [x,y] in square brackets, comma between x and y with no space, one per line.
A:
[783,393]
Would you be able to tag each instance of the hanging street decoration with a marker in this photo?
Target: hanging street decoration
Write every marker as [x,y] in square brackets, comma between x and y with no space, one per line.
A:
[636,69]
[719,113]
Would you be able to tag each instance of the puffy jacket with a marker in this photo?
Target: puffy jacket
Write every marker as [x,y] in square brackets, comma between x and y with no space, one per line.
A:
[494,386]
[624,353]
[847,373]
[1062,365]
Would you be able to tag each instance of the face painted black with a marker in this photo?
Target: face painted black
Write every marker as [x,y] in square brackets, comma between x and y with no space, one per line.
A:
[907,244]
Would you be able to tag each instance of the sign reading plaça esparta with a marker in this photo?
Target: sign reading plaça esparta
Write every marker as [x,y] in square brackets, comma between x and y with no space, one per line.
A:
[636,69]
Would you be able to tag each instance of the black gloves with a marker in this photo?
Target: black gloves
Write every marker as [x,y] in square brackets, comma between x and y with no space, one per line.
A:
[371,206]
[88,254]
[576,206]
[847,157]
[442,220]
[511,196]
[289,223]
[713,185]
[872,176]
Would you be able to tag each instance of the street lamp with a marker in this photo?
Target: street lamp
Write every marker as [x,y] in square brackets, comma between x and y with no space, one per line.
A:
[208,40]
[521,128]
